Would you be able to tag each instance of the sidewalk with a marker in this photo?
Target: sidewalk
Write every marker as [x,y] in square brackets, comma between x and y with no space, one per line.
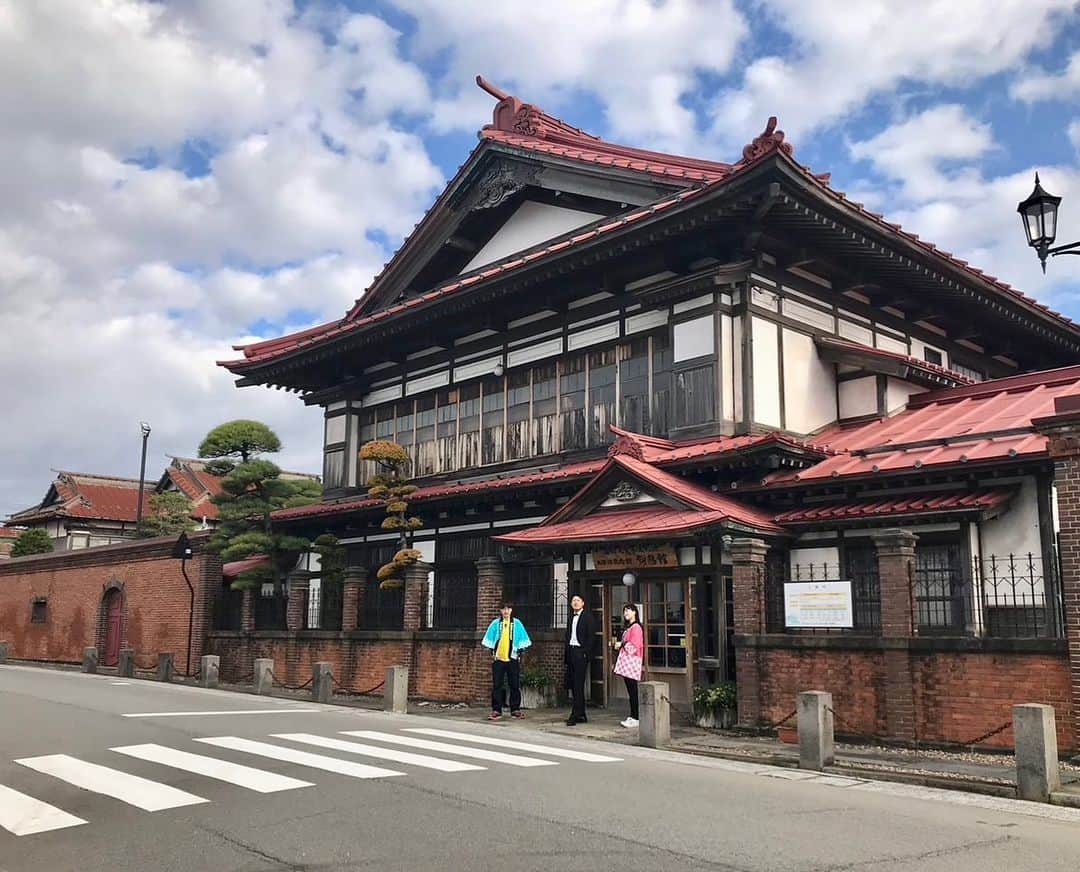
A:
[959,770]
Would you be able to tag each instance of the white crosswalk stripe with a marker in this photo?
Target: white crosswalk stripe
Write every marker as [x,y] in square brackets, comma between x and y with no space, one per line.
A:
[234,773]
[139,792]
[303,758]
[22,815]
[391,754]
[461,751]
[514,745]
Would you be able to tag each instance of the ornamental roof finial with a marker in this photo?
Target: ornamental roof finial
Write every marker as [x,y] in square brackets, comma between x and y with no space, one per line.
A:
[769,140]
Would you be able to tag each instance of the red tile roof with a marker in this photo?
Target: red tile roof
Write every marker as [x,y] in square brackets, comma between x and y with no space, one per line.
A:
[524,126]
[91,497]
[897,506]
[10,533]
[231,570]
[654,521]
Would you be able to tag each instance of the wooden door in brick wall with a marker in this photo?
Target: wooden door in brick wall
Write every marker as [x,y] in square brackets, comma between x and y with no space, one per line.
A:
[114,616]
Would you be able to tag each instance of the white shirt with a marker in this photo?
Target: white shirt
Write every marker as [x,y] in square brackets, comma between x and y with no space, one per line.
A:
[574,643]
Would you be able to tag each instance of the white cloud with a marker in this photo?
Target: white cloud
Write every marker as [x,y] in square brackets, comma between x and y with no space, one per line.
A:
[640,58]
[1074,134]
[1035,86]
[123,282]
[843,55]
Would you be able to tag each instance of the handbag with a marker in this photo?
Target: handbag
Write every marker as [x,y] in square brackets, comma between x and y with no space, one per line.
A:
[628,665]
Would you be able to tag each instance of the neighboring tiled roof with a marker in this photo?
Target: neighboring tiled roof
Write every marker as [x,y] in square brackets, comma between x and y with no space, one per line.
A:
[90,497]
[9,532]
[988,421]
[195,483]
[898,506]
[231,570]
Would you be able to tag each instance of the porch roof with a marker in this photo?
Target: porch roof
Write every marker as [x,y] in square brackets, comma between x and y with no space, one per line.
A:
[656,521]
[894,507]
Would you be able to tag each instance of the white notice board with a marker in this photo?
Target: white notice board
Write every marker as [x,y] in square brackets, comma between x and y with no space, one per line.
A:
[818,604]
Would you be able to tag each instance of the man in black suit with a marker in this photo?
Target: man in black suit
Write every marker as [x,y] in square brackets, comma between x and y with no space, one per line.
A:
[579,645]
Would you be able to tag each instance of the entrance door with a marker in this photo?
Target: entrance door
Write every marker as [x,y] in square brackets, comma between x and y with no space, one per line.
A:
[618,596]
[113,621]
[667,636]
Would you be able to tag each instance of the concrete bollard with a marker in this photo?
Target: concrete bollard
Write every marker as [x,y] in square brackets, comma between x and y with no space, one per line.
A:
[396,690]
[1038,773]
[89,660]
[654,726]
[165,666]
[125,666]
[208,671]
[321,686]
[3,651]
[264,675]
[815,730]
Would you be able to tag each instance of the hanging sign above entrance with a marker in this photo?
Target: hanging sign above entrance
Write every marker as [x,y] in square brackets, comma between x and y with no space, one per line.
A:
[659,557]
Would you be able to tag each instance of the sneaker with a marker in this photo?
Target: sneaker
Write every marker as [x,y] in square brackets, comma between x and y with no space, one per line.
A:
[629,723]
[520,715]
[494,716]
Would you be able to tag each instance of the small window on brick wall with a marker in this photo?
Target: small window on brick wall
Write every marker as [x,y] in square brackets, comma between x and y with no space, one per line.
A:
[39,610]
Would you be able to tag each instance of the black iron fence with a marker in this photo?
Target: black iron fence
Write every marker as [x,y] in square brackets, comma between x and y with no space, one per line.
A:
[382,609]
[228,609]
[1011,596]
[540,600]
[860,570]
[322,606]
[269,611]
[454,606]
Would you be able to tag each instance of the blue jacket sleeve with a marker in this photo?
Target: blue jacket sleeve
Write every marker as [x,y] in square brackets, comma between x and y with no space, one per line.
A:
[522,640]
[491,637]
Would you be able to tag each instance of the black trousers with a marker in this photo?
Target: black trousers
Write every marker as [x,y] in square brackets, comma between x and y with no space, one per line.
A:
[578,664]
[631,691]
[510,671]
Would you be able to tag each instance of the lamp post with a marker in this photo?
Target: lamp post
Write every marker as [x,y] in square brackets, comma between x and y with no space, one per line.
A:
[1039,216]
[142,473]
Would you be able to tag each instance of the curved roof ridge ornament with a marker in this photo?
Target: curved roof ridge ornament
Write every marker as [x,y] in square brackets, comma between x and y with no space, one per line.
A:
[767,141]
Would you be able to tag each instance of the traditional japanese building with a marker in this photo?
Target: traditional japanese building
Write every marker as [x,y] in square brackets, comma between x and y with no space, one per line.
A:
[689,383]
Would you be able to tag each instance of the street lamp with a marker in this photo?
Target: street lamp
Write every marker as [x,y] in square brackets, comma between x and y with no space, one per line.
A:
[183,552]
[1039,216]
[142,472]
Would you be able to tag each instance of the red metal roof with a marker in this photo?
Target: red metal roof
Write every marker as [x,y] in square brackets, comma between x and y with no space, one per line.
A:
[617,525]
[897,506]
[231,570]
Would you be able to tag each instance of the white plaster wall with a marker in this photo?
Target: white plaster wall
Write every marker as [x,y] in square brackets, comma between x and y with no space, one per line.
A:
[766,372]
[809,385]
[1017,530]
[531,224]
[918,348]
[816,560]
[897,394]
[858,397]
[727,369]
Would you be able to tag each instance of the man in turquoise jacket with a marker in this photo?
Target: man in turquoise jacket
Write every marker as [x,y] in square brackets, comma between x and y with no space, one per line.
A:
[506,637]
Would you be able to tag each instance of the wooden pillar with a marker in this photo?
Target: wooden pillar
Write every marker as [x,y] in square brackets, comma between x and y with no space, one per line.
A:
[748,594]
[1063,430]
[896,576]
[489,590]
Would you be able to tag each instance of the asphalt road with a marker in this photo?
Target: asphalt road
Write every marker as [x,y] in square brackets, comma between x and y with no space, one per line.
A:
[250,800]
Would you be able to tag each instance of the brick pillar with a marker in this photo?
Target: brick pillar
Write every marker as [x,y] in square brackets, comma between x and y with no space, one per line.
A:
[352,597]
[489,590]
[896,567]
[247,611]
[297,604]
[1063,430]
[748,593]
[415,612]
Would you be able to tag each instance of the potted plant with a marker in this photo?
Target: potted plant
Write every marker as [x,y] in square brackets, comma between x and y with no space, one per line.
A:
[714,706]
[537,688]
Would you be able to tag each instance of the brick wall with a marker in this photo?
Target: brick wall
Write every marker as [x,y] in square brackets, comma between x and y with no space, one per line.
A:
[962,688]
[155,600]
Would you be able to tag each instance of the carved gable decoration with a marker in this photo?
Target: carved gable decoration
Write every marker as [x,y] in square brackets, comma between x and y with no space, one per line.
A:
[626,446]
[624,492]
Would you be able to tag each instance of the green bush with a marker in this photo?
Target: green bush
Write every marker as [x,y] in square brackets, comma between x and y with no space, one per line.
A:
[715,698]
[536,678]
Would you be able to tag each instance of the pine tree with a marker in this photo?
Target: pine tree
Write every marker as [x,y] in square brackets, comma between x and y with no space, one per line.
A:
[169,515]
[36,540]
[252,488]
[391,487]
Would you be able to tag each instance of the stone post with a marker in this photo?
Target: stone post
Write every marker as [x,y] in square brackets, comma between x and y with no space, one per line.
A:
[264,675]
[125,666]
[396,690]
[208,671]
[896,575]
[3,651]
[1038,773]
[322,687]
[489,590]
[654,726]
[352,594]
[1063,430]
[748,593]
[89,660]
[296,606]
[815,730]
[165,666]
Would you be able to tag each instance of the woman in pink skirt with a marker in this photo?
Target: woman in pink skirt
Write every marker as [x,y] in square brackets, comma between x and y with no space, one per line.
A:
[631,649]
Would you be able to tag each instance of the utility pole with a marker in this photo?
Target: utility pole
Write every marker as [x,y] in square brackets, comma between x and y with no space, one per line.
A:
[142,473]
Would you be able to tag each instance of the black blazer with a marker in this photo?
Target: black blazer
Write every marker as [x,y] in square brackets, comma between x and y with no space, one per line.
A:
[586,633]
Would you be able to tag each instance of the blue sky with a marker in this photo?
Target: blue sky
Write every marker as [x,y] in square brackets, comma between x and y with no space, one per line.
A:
[179,177]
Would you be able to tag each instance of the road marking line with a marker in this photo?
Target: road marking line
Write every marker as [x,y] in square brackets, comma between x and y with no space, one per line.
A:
[22,815]
[303,758]
[139,792]
[427,745]
[234,773]
[391,754]
[286,711]
[120,683]
[517,746]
